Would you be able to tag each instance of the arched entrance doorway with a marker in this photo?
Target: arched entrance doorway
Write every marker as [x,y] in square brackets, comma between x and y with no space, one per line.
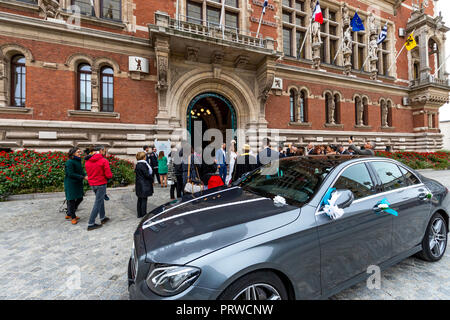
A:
[213,111]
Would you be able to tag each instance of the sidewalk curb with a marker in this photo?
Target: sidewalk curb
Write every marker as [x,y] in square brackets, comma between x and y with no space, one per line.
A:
[34,196]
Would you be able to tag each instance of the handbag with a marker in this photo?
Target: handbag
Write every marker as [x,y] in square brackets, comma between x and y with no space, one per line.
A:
[190,186]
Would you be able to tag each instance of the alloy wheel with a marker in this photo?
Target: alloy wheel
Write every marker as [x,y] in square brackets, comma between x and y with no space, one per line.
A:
[258,291]
[437,237]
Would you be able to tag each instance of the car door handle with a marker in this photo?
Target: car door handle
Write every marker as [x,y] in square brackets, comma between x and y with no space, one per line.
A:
[378,208]
[422,196]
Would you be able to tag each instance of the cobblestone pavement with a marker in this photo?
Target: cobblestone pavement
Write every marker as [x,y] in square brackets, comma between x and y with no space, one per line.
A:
[42,255]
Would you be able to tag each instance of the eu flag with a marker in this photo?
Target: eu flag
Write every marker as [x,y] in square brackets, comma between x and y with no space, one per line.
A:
[357,24]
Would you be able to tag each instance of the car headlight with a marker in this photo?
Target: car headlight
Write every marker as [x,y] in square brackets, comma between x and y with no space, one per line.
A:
[170,280]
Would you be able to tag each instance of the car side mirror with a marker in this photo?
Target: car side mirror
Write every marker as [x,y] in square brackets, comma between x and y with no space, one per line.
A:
[345,199]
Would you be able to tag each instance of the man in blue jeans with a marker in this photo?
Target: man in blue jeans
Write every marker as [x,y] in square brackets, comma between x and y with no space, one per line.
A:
[221,161]
[98,171]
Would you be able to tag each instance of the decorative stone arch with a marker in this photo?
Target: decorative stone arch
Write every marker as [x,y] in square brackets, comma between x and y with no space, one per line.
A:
[439,54]
[75,59]
[196,82]
[356,95]
[325,92]
[101,62]
[292,87]
[341,96]
[11,49]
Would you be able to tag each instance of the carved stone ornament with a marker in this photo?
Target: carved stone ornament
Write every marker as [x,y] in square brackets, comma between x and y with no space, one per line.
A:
[384,114]
[163,67]
[50,9]
[241,61]
[360,112]
[345,15]
[373,27]
[267,86]
[217,57]
[192,54]
[331,110]
[315,32]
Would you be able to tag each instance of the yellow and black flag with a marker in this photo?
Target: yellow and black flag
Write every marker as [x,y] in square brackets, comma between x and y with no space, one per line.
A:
[411,42]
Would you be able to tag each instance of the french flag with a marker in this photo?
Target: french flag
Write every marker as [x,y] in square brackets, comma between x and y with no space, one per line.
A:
[266,3]
[318,16]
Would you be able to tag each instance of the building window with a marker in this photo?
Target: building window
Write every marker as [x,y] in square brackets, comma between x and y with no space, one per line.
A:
[107,89]
[359,48]
[111,9]
[337,112]
[302,107]
[329,36]
[84,87]
[294,24]
[87,7]
[287,40]
[366,111]
[194,12]
[211,13]
[18,81]
[383,57]
[292,99]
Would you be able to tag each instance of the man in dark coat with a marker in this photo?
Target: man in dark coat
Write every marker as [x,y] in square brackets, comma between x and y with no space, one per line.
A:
[369,148]
[342,150]
[244,163]
[153,157]
[73,183]
[267,155]
[143,184]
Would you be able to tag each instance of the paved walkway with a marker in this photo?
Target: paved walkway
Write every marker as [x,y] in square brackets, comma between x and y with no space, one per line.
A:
[42,256]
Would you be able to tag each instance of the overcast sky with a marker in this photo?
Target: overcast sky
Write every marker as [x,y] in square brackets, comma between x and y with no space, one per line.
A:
[444,6]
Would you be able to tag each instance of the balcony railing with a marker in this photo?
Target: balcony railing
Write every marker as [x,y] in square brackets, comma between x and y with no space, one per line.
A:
[197,27]
[430,80]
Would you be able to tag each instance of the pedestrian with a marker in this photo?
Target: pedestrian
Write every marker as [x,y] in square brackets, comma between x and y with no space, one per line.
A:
[267,154]
[232,155]
[342,150]
[98,171]
[369,148]
[244,163]
[143,183]
[192,181]
[309,149]
[222,161]
[171,176]
[147,153]
[162,169]
[153,158]
[73,183]
[330,151]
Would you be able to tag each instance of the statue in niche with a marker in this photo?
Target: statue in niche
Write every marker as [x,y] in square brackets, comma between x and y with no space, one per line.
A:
[384,114]
[345,15]
[360,112]
[373,50]
[372,24]
[315,32]
[331,110]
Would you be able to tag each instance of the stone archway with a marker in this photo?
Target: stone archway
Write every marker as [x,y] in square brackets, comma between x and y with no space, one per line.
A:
[195,83]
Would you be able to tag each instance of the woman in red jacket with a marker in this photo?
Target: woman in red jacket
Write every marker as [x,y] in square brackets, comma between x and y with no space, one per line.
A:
[98,171]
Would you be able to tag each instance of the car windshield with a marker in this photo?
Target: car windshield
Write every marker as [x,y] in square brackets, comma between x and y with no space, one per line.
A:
[294,179]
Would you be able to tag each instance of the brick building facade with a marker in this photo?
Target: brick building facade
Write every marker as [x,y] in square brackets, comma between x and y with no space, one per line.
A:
[70,76]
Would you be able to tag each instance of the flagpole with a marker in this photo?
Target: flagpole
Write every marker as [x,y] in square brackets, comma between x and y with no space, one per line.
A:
[404,46]
[260,20]
[306,36]
[339,50]
[441,66]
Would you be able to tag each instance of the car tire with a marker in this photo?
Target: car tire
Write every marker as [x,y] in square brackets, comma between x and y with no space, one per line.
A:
[260,285]
[434,242]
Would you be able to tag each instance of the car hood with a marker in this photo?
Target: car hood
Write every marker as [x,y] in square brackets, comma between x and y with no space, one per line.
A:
[186,230]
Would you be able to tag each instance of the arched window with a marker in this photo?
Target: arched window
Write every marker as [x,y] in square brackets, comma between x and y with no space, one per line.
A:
[366,111]
[107,89]
[18,81]
[416,70]
[292,99]
[337,103]
[84,87]
[303,105]
[389,108]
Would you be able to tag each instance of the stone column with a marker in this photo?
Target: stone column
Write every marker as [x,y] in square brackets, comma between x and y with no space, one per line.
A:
[3,99]
[424,59]
[95,107]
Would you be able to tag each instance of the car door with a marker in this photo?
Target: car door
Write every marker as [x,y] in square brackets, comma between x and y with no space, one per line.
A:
[408,196]
[358,239]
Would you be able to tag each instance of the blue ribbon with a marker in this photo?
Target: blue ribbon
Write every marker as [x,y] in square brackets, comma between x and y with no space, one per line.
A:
[388,210]
[327,197]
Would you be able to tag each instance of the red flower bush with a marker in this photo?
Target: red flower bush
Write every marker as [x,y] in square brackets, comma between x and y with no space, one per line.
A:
[28,171]
[420,160]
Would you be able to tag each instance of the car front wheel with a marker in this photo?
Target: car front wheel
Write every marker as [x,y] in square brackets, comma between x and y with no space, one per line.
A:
[434,243]
[261,285]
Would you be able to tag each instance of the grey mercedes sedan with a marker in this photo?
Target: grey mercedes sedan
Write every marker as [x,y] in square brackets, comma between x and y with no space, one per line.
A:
[305,229]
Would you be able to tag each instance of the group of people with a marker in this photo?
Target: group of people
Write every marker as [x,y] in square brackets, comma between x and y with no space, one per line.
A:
[185,172]
[97,172]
